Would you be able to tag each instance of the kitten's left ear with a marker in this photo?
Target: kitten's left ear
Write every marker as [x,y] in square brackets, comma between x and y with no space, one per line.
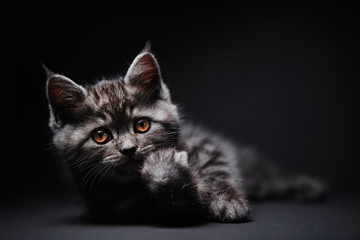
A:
[144,74]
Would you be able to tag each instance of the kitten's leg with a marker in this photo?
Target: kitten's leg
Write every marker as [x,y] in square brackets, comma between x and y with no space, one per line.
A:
[169,179]
[226,198]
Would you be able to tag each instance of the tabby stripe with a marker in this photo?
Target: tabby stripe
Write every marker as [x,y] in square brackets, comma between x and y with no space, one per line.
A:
[213,160]
[197,148]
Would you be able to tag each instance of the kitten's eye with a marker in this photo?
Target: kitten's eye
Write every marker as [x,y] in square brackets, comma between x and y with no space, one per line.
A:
[101,136]
[142,125]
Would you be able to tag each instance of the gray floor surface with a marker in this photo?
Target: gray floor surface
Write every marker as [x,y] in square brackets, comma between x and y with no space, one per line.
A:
[61,218]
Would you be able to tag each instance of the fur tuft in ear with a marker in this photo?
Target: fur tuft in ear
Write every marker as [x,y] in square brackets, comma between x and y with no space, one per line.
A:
[147,48]
[48,72]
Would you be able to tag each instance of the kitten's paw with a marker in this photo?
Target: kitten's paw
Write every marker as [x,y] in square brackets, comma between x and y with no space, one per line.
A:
[166,167]
[229,210]
[167,175]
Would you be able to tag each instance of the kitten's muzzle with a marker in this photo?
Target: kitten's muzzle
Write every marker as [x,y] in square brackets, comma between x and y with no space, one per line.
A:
[129,152]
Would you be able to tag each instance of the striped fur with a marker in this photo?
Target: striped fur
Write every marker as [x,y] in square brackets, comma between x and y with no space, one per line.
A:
[177,169]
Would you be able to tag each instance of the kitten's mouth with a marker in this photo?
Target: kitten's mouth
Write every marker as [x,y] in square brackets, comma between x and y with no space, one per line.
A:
[116,160]
[123,163]
[123,159]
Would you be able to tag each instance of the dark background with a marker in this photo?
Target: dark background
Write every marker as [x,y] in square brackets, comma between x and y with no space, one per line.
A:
[281,77]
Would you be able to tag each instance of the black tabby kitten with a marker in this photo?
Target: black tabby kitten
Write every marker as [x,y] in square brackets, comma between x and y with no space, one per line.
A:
[132,157]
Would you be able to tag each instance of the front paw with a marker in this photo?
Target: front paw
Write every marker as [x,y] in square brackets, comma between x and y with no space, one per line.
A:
[167,175]
[165,167]
[224,209]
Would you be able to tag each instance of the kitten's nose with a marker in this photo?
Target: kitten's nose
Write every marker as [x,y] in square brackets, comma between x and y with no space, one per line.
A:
[129,151]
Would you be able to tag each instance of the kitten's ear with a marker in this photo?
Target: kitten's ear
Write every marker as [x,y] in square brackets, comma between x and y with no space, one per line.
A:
[64,95]
[144,74]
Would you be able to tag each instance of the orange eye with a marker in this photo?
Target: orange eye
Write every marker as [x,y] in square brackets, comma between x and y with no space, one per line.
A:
[142,125]
[101,136]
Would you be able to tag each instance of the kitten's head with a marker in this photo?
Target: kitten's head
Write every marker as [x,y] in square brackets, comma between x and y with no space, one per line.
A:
[113,124]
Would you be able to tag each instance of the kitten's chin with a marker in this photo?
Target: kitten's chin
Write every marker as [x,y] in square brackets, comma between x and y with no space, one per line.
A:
[123,165]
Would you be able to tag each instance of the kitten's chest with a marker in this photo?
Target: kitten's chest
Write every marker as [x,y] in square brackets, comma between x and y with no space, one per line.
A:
[118,193]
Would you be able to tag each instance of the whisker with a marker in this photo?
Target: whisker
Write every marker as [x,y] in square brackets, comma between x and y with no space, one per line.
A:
[108,167]
[98,172]
[91,172]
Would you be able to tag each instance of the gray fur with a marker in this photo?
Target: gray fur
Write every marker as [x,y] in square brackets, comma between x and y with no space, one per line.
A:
[177,168]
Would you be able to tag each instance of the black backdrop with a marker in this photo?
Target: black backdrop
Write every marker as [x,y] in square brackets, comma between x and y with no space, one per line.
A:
[281,77]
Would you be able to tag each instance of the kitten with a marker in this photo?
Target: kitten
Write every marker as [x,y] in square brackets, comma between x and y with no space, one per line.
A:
[132,157]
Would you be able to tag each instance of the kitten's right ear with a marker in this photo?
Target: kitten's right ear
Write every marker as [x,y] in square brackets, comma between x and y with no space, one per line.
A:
[64,95]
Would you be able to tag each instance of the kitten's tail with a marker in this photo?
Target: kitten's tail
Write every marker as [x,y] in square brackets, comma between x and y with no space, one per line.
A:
[265,180]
